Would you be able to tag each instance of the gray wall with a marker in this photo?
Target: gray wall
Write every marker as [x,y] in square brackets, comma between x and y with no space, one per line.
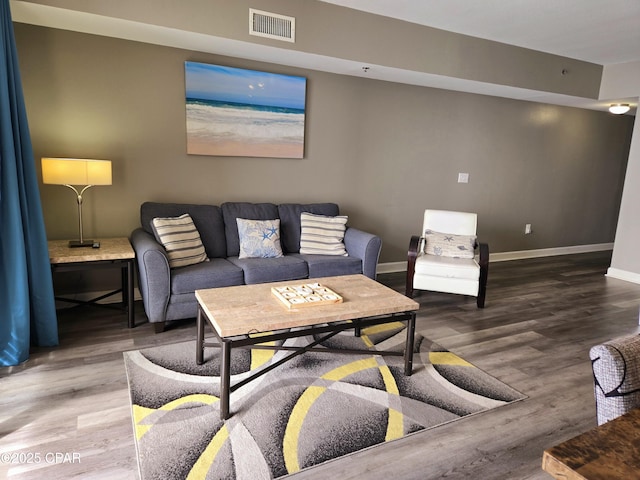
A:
[327,30]
[624,81]
[383,151]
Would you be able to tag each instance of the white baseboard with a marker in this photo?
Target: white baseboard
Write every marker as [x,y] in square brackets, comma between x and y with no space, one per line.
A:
[394,267]
[549,252]
[623,275]
[391,267]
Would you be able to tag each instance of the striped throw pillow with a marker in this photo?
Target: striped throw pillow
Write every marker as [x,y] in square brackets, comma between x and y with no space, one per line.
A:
[180,239]
[322,235]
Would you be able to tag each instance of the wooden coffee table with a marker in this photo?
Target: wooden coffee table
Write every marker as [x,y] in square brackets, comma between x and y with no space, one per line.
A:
[248,315]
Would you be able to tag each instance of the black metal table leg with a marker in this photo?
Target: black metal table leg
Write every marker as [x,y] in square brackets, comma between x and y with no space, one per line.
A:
[408,349]
[129,293]
[225,379]
[200,337]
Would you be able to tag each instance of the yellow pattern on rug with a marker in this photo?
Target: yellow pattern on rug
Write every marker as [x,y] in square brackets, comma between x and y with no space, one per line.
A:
[366,332]
[140,413]
[394,425]
[260,357]
[204,462]
[447,358]
[312,393]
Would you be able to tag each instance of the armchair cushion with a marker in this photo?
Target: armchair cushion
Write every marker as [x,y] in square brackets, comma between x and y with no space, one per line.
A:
[449,245]
[180,238]
[439,266]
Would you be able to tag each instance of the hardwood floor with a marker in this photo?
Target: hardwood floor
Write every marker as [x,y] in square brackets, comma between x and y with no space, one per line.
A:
[541,318]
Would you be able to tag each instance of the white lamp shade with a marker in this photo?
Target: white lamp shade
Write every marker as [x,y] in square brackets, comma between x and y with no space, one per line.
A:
[74,171]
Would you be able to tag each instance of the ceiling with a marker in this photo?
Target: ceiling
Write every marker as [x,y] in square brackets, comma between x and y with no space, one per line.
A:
[596,31]
[599,31]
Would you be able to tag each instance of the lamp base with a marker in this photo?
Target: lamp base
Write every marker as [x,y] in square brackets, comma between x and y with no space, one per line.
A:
[78,243]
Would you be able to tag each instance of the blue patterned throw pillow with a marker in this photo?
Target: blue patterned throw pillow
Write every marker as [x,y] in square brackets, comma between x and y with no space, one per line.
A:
[449,245]
[259,238]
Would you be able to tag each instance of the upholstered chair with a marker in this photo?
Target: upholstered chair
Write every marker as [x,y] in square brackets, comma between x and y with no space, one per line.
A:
[616,376]
[443,258]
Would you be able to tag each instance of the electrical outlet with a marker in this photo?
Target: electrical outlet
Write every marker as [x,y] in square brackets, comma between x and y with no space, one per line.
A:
[527,229]
[463,178]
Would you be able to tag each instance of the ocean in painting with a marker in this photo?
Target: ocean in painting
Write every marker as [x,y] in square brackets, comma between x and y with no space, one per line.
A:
[227,128]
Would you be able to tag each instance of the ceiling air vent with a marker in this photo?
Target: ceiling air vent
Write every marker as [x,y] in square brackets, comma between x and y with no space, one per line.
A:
[272,25]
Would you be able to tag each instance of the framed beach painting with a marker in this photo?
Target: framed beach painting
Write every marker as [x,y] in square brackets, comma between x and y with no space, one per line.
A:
[238,112]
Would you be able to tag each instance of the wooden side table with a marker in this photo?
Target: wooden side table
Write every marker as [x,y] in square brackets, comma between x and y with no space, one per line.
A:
[113,252]
[610,451]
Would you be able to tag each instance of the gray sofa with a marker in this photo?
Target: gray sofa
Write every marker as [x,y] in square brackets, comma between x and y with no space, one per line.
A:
[168,293]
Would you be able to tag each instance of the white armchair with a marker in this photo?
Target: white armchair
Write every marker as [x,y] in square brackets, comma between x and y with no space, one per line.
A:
[443,258]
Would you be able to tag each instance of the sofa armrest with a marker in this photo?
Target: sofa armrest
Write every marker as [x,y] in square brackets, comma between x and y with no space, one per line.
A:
[616,375]
[366,247]
[154,275]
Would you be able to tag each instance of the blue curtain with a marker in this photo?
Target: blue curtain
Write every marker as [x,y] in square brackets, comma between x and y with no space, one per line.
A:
[27,305]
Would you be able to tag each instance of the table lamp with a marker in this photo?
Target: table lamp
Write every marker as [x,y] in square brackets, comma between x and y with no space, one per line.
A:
[80,172]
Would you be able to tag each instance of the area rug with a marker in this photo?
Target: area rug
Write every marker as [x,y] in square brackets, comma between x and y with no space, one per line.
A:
[312,409]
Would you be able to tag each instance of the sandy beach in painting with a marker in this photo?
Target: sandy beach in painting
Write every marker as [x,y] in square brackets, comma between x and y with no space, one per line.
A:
[231,149]
[233,129]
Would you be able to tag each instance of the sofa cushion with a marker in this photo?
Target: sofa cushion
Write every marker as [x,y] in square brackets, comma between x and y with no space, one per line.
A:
[259,238]
[250,211]
[262,270]
[290,221]
[207,219]
[448,267]
[449,245]
[322,235]
[180,238]
[331,265]
[217,272]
